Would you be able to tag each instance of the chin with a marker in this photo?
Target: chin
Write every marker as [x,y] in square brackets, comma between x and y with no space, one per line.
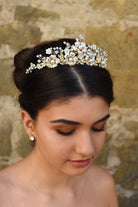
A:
[77,171]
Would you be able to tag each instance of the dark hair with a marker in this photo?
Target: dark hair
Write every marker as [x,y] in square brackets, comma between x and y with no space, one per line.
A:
[41,87]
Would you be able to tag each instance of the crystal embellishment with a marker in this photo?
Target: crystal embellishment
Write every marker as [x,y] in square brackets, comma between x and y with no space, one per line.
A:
[78,53]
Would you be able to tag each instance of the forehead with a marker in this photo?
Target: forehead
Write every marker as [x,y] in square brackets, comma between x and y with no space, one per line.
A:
[77,108]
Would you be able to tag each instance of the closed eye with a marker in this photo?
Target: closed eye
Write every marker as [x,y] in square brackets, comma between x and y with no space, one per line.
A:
[98,130]
[100,127]
[65,133]
[71,132]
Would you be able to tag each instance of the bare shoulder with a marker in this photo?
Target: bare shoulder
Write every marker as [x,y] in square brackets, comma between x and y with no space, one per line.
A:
[4,186]
[8,186]
[101,175]
[5,174]
[5,179]
[106,185]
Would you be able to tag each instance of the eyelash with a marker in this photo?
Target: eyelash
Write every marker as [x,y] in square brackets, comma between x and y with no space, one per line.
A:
[65,134]
[71,132]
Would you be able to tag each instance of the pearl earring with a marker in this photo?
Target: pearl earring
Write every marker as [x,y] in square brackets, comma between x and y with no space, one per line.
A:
[31,138]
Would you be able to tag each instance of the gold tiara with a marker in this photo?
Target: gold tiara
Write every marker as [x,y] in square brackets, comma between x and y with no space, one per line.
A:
[77,53]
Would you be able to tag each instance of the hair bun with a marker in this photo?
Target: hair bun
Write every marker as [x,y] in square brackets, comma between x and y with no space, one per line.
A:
[20,61]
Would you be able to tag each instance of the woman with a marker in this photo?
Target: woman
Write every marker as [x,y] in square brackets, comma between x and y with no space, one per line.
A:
[65,96]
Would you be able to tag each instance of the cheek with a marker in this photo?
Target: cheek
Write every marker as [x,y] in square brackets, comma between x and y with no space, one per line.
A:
[51,144]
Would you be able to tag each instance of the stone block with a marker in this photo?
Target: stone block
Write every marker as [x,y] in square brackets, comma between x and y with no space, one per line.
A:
[121,7]
[128,201]
[121,48]
[102,158]
[32,14]
[5,134]
[7,86]
[132,126]
[18,35]
[126,173]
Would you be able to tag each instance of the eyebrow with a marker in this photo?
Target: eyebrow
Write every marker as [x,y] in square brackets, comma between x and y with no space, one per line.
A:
[103,119]
[65,121]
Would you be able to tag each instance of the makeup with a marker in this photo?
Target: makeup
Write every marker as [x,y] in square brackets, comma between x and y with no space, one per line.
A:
[80,163]
[70,122]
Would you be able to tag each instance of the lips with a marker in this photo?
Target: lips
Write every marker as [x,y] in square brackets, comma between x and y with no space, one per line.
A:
[80,163]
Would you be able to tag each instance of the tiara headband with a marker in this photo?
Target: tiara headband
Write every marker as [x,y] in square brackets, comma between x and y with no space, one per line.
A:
[77,53]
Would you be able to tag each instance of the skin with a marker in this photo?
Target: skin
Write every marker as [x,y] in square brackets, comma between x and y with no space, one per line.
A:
[47,176]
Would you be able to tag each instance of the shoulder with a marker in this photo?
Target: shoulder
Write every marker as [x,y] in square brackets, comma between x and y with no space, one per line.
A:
[7,187]
[106,185]
[6,181]
[4,188]
[100,174]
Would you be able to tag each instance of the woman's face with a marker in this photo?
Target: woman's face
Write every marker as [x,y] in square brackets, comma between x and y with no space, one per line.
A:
[70,135]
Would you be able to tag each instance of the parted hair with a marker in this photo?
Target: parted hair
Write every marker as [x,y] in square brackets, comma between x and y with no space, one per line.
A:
[41,87]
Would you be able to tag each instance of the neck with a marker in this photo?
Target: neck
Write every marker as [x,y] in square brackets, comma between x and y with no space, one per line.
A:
[41,176]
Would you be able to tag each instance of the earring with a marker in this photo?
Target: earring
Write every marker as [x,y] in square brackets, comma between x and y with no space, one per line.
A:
[31,138]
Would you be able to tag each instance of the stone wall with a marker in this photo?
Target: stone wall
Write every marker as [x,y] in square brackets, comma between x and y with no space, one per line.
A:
[111,24]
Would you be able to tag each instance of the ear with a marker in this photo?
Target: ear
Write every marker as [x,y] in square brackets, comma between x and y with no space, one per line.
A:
[28,123]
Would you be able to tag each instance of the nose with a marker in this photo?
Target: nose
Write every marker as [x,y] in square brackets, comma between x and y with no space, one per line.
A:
[85,145]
